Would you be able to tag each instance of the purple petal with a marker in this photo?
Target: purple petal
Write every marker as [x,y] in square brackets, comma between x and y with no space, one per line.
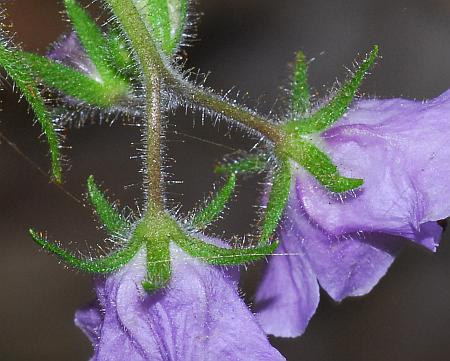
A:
[288,295]
[89,320]
[199,316]
[70,52]
[400,149]
[349,265]
[429,235]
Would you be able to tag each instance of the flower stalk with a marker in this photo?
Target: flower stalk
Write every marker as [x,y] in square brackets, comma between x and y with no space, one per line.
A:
[147,56]
[155,193]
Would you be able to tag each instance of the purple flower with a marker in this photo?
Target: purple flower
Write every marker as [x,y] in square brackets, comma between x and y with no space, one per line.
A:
[346,242]
[198,316]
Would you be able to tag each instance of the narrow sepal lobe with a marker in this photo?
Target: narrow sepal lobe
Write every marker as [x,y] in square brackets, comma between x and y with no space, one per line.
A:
[338,105]
[113,221]
[105,264]
[22,75]
[216,204]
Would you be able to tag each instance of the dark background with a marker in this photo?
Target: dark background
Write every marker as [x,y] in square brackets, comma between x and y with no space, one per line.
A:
[247,44]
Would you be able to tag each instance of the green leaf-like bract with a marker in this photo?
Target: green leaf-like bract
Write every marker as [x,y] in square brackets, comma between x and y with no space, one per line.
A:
[216,205]
[337,106]
[106,264]
[167,20]
[91,37]
[120,57]
[251,164]
[158,265]
[73,83]
[321,166]
[114,223]
[300,101]
[214,255]
[277,201]
[101,52]
[22,75]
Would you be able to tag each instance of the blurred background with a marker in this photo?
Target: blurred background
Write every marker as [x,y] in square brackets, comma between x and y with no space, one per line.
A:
[248,44]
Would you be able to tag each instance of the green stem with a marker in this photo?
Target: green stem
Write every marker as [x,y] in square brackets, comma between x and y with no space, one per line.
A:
[147,55]
[155,191]
[151,59]
[208,99]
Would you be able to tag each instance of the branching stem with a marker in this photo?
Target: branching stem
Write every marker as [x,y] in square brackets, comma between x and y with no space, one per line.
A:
[152,60]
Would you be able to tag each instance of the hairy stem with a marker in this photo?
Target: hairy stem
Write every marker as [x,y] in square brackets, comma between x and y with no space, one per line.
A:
[208,99]
[151,65]
[154,175]
[151,58]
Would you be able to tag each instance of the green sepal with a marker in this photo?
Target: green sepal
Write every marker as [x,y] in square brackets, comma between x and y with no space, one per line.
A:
[178,10]
[106,264]
[216,205]
[167,20]
[250,164]
[337,106]
[112,220]
[214,255]
[120,57]
[22,75]
[73,83]
[300,98]
[158,12]
[91,37]
[276,204]
[159,269]
[321,166]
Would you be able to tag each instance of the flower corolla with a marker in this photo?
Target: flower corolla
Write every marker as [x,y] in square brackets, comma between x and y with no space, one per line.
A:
[345,242]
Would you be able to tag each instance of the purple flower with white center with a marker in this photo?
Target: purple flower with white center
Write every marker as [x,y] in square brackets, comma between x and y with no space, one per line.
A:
[198,316]
[346,241]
